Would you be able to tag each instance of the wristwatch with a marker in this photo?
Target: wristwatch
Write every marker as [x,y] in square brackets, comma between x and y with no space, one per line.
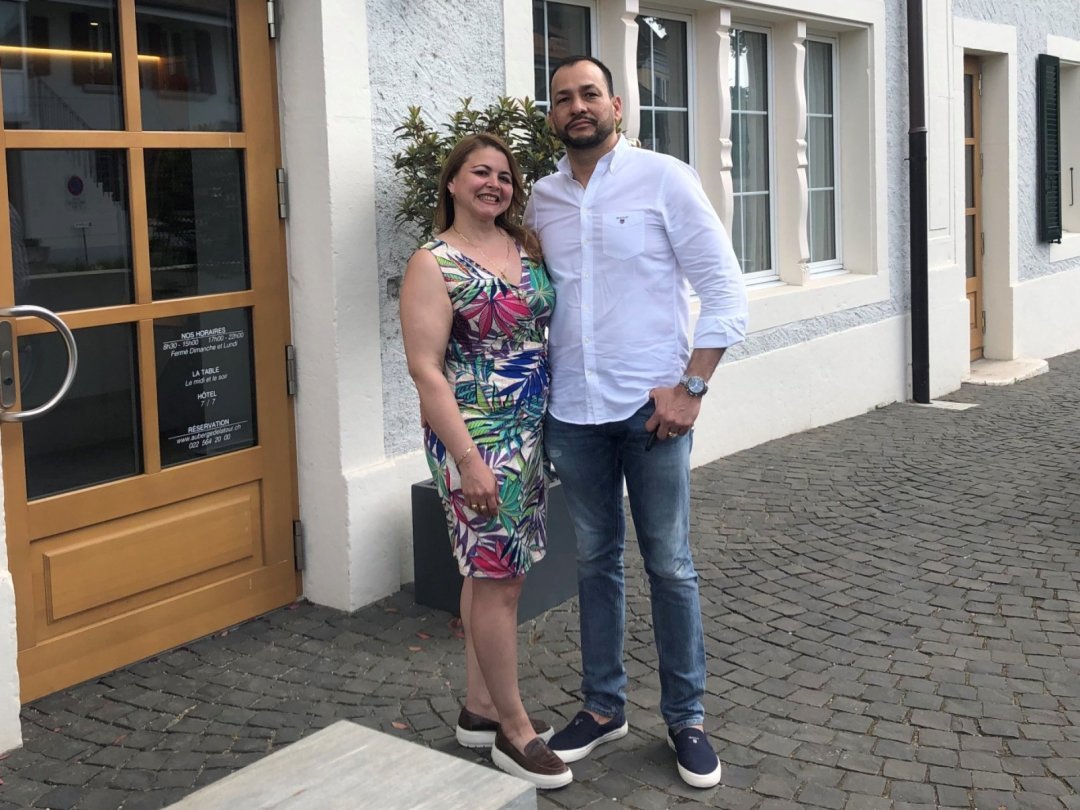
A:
[695,386]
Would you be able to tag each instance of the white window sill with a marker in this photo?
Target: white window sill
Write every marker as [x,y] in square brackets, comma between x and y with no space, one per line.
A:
[776,305]
[1069,248]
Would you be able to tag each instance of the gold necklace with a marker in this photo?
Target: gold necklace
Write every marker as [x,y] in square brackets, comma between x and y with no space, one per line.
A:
[490,262]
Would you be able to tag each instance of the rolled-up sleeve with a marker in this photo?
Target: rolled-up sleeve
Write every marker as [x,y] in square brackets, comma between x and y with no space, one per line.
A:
[705,255]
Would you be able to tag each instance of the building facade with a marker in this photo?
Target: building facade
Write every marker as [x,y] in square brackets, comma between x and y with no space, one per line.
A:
[240,364]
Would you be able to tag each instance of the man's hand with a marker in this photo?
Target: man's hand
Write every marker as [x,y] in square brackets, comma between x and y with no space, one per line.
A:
[676,412]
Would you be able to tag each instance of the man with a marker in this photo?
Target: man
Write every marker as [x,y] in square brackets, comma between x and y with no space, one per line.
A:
[623,231]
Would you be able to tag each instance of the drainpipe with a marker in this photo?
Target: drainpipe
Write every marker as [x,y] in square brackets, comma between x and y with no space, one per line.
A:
[920,284]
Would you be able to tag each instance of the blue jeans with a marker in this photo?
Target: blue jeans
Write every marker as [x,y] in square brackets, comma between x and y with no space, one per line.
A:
[592,462]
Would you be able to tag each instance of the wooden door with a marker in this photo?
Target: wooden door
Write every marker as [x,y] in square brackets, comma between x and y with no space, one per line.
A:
[975,240]
[155,504]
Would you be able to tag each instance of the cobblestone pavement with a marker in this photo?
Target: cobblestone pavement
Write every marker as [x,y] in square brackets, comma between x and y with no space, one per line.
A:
[892,607]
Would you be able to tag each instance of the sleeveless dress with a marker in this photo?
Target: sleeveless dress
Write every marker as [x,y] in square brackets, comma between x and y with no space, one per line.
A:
[497,366]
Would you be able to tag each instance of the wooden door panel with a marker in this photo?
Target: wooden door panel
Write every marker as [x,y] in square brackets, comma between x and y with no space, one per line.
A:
[101,647]
[98,565]
[189,542]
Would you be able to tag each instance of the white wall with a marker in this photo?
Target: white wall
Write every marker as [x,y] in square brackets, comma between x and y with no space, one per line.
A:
[326,129]
[10,729]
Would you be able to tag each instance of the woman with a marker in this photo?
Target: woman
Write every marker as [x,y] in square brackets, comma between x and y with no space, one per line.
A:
[475,303]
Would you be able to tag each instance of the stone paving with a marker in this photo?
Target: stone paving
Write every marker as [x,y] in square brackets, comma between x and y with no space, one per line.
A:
[892,608]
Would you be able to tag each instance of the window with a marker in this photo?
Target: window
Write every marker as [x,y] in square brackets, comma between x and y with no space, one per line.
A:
[559,30]
[821,149]
[663,81]
[751,230]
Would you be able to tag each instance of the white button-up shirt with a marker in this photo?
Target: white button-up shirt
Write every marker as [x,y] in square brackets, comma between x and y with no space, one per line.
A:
[623,253]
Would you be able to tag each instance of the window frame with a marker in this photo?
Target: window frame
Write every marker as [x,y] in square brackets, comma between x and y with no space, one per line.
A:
[691,85]
[834,265]
[771,275]
[593,42]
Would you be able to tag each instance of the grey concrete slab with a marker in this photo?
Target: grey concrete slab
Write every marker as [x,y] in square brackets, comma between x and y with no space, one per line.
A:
[892,614]
[346,766]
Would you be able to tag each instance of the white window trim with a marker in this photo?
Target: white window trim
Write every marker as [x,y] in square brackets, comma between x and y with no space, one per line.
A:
[834,265]
[593,40]
[691,85]
[772,275]
[861,29]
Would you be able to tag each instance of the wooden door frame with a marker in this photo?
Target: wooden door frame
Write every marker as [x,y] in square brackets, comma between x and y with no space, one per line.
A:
[266,299]
[976,285]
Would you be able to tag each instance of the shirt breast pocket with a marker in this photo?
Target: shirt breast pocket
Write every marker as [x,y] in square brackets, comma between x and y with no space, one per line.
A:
[624,234]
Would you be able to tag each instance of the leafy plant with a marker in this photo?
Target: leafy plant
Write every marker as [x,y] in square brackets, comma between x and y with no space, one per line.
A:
[519,122]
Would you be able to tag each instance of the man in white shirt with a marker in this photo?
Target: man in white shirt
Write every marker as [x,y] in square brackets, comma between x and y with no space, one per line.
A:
[626,233]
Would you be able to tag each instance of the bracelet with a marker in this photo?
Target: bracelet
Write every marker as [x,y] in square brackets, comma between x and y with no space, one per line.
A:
[464,455]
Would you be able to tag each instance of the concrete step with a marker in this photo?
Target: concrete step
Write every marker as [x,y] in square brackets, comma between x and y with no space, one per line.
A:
[346,766]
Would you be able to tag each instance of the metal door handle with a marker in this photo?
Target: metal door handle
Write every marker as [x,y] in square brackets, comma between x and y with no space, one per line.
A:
[7,363]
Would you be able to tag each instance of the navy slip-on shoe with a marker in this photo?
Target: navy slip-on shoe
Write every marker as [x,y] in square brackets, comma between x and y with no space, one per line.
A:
[583,734]
[698,764]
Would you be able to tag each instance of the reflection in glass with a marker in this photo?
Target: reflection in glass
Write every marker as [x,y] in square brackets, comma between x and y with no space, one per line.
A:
[70,237]
[820,152]
[752,241]
[750,125]
[969,106]
[195,211]
[822,226]
[559,30]
[94,434]
[969,176]
[60,65]
[662,82]
[748,71]
[187,65]
[206,392]
[969,234]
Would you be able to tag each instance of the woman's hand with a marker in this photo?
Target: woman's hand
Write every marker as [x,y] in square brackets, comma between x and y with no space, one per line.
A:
[479,487]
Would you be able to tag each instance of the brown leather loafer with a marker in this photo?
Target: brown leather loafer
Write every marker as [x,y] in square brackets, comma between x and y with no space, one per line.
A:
[476,731]
[538,764]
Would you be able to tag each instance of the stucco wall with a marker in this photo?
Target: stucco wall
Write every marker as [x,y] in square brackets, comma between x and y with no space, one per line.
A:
[415,61]
[1034,20]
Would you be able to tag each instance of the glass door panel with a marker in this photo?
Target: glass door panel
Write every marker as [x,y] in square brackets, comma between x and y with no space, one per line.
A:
[60,64]
[187,65]
[70,230]
[205,385]
[93,435]
[197,221]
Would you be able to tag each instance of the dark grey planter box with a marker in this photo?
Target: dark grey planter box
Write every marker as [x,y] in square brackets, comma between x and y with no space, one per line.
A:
[550,582]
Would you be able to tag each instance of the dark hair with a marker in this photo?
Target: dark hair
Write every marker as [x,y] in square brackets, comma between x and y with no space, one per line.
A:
[573,60]
[510,219]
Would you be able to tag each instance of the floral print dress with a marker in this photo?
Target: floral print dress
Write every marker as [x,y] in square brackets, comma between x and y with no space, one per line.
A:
[497,366]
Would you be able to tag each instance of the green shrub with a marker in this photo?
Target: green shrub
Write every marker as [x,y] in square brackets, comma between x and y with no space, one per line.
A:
[517,121]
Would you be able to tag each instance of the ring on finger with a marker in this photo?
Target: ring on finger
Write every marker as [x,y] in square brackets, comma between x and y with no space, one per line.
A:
[671,434]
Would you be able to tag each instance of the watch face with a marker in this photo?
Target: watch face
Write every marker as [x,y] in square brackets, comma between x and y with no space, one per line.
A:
[695,386]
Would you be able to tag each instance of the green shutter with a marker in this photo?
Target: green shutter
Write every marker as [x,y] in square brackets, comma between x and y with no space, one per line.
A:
[1048,97]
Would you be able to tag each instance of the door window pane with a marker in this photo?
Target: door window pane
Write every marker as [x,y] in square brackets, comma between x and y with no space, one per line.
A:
[94,434]
[821,151]
[969,240]
[187,65]
[196,217]
[70,234]
[751,143]
[969,176]
[60,65]
[663,85]
[206,391]
[559,30]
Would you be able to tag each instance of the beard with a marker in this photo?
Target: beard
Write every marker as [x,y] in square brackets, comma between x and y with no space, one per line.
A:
[601,133]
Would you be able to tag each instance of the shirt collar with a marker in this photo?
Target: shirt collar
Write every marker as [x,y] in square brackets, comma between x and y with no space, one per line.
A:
[611,160]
